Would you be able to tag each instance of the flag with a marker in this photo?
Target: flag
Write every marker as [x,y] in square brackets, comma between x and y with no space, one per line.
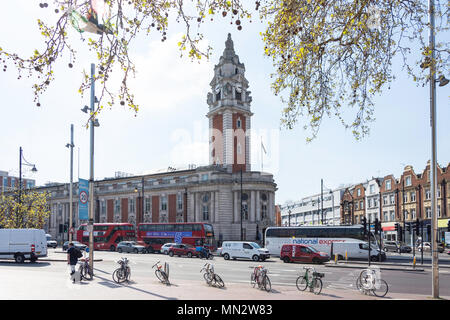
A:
[262,146]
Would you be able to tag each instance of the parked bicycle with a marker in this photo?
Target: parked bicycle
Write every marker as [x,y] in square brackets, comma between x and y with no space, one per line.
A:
[211,277]
[162,275]
[369,281]
[85,269]
[311,279]
[122,273]
[259,277]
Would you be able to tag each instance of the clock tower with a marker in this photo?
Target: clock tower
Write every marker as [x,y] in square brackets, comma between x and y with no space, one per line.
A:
[229,113]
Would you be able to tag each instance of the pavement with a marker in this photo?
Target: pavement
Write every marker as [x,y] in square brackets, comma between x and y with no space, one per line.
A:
[25,285]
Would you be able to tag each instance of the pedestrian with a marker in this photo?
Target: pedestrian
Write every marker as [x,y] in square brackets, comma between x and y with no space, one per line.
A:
[72,259]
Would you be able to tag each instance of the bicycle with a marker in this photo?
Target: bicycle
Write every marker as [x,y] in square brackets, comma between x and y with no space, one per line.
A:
[259,277]
[369,280]
[122,273]
[311,279]
[211,277]
[85,269]
[162,275]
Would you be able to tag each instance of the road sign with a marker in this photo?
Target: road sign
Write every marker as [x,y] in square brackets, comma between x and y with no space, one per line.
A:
[83,196]
[71,230]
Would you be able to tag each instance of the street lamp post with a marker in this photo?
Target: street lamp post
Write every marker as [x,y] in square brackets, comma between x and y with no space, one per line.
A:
[71,145]
[26,163]
[141,196]
[92,124]
[241,207]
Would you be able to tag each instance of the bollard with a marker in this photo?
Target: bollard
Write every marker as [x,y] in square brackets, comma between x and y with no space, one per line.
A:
[414,262]
[346,255]
[335,258]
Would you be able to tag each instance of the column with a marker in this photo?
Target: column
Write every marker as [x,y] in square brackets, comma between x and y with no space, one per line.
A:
[212,206]
[236,210]
[252,206]
[258,206]
[216,205]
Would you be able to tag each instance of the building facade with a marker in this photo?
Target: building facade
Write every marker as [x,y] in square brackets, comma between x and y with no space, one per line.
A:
[211,194]
[9,183]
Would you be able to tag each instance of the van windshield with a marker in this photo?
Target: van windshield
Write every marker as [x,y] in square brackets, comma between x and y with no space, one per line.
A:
[312,249]
[49,238]
[255,245]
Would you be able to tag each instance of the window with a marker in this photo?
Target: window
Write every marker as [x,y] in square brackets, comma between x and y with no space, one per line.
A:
[218,96]
[427,194]
[358,192]
[405,214]
[116,206]
[375,202]
[428,211]
[412,195]
[245,211]
[247,246]
[405,197]
[356,205]
[408,181]
[263,211]
[369,203]
[239,123]
[388,184]
[361,205]
[179,201]
[103,207]
[163,203]
[413,213]
[439,211]
[204,177]
[438,192]
[392,214]
[385,216]
[148,204]
[131,205]
[392,198]
[372,188]
[385,200]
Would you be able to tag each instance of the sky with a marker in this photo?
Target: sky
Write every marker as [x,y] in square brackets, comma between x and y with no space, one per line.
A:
[171,128]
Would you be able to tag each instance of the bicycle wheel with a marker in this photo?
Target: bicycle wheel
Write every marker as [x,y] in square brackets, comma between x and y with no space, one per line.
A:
[365,280]
[317,286]
[160,275]
[301,283]
[253,280]
[208,278]
[118,275]
[166,277]
[86,273]
[266,284]
[219,281]
[382,290]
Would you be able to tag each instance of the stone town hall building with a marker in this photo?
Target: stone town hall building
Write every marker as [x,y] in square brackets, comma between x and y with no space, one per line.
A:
[204,194]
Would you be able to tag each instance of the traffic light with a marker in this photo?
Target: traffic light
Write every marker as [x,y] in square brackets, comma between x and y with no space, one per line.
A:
[397,227]
[377,229]
[429,228]
[448,225]
[60,228]
[408,227]
[400,234]
[364,221]
[65,227]
[417,227]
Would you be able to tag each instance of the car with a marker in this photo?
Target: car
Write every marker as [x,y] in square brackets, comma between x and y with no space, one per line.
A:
[180,249]
[76,244]
[165,247]
[51,243]
[130,246]
[396,246]
[243,249]
[302,253]
[427,247]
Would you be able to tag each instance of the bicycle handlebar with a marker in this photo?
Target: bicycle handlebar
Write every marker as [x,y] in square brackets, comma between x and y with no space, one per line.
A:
[155,264]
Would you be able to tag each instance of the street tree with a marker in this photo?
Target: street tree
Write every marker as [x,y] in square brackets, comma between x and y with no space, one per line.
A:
[329,56]
[25,209]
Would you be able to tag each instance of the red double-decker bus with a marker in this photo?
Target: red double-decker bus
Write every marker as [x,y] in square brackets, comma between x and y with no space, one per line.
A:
[154,235]
[107,235]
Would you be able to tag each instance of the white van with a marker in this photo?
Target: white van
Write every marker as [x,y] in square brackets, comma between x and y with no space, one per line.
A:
[243,249]
[21,244]
[357,250]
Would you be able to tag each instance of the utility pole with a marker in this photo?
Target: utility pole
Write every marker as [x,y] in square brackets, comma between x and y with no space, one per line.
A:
[91,173]
[241,207]
[321,198]
[433,178]
[71,224]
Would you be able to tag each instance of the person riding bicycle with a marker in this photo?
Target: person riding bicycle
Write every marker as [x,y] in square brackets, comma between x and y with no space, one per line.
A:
[204,252]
